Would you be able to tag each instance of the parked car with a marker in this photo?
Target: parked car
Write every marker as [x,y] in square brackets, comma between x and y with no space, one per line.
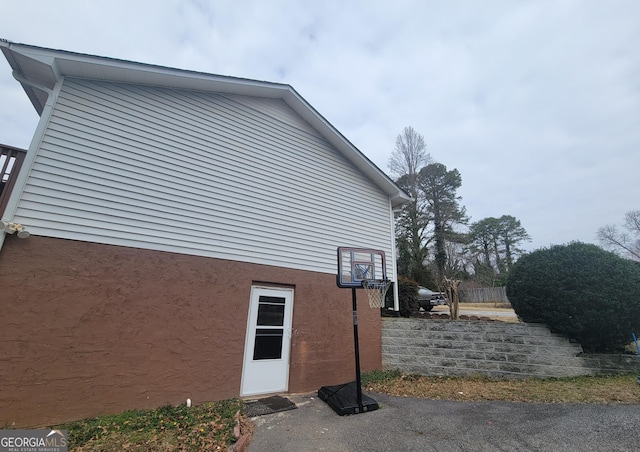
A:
[427,299]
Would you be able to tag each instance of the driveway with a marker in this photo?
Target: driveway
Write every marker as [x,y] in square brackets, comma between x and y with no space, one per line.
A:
[469,309]
[404,424]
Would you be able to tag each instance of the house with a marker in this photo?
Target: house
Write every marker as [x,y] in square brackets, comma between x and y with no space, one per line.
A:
[176,219]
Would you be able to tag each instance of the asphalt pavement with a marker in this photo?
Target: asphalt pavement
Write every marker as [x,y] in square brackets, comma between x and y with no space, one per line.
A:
[406,424]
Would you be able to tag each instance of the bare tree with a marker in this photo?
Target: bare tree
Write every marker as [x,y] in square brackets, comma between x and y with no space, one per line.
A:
[409,154]
[626,241]
[453,297]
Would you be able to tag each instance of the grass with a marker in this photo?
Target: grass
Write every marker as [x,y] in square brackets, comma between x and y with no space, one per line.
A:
[601,389]
[170,428]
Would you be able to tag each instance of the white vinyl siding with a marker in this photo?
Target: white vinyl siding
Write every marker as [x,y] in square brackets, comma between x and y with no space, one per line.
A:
[198,173]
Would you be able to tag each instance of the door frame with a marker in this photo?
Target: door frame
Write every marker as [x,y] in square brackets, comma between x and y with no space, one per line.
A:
[249,342]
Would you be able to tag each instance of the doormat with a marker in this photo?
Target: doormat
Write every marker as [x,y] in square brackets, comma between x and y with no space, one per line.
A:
[269,405]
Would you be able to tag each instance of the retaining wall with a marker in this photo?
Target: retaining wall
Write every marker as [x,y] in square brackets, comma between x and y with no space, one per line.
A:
[494,349]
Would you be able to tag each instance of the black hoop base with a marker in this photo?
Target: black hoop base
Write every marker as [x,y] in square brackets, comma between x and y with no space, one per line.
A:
[343,399]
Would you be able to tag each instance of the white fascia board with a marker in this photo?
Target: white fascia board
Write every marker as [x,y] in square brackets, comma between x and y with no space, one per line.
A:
[69,64]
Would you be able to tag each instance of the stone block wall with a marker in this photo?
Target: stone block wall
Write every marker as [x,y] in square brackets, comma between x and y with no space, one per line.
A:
[494,349]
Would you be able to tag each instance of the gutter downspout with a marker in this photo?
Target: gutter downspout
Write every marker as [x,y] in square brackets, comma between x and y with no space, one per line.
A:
[394,264]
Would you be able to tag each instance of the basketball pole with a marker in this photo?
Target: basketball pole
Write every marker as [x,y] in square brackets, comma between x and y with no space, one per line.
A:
[357,348]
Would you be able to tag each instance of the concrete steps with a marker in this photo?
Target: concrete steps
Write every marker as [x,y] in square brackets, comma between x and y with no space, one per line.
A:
[494,349]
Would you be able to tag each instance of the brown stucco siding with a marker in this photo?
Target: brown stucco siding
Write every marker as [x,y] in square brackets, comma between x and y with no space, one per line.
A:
[88,329]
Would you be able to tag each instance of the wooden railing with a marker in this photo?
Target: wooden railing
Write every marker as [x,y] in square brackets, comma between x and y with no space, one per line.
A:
[10,163]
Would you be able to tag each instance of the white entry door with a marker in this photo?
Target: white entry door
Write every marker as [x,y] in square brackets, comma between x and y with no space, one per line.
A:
[268,341]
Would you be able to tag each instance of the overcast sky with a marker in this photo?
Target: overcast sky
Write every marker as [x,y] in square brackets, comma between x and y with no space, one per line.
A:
[536,103]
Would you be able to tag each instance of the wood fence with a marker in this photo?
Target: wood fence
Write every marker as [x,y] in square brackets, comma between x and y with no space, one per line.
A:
[485,295]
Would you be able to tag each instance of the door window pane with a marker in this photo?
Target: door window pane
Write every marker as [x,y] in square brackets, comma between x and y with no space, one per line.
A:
[268,344]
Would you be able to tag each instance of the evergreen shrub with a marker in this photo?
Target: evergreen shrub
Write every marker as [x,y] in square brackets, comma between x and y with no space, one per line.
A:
[580,290]
[407,294]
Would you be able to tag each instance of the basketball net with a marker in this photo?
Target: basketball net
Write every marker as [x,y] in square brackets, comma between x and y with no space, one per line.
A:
[376,291]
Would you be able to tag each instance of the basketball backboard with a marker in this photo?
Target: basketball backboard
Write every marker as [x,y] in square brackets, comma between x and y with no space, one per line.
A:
[358,264]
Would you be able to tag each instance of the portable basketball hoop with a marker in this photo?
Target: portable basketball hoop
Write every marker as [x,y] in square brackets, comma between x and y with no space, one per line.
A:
[366,269]
[376,291]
